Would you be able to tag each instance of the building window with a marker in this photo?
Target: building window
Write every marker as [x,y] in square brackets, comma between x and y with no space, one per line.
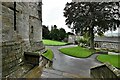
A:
[31,29]
[15,16]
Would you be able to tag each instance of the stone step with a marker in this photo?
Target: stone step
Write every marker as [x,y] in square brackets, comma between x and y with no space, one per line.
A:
[20,70]
[34,73]
[51,73]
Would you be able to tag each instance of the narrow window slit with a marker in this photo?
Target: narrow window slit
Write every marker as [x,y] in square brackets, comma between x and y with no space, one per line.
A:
[15,16]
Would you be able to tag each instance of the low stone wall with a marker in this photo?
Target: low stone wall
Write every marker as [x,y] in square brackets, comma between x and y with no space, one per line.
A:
[45,62]
[105,71]
[108,45]
[31,58]
[113,53]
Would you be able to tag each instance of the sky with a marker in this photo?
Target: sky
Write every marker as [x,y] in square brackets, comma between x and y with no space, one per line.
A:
[52,14]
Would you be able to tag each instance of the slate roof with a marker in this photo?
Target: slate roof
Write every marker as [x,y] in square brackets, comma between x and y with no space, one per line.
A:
[107,39]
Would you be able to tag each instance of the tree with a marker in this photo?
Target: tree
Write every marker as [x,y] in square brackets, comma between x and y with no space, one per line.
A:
[69,33]
[57,34]
[54,34]
[45,32]
[86,16]
[62,34]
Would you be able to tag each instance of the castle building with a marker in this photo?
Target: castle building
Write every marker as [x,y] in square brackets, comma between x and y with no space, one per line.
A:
[21,31]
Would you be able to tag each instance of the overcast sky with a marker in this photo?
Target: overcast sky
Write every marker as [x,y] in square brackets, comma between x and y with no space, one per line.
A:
[52,14]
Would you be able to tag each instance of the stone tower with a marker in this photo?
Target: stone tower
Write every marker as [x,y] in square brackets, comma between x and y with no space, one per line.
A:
[21,31]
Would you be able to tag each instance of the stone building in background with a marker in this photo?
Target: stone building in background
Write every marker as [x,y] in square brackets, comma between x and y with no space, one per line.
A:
[108,42]
[21,32]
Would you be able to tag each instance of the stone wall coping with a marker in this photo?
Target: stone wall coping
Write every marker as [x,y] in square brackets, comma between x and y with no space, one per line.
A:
[46,58]
[111,67]
[93,67]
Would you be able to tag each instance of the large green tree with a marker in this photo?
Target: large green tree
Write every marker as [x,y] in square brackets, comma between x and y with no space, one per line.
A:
[92,17]
[54,33]
[57,34]
[62,34]
[45,32]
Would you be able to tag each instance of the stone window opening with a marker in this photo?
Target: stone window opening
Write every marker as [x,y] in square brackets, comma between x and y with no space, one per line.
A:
[15,16]
[31,29]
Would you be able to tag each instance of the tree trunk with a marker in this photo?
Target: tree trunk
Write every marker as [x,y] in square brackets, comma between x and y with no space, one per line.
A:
[91,38]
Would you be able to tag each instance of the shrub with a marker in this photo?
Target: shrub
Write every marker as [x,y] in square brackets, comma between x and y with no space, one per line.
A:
[83,41]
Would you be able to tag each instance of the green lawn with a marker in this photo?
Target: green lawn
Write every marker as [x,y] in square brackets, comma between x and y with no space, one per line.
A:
[49,54]
[112,59]
[78,52]
[53,43]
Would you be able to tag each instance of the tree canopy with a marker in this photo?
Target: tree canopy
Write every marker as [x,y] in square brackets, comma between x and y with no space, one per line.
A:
[45,32]
[62,34]
[54,34]
[92,17]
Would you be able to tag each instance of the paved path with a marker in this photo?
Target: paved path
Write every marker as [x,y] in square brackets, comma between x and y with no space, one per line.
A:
[72,65]
[51,73]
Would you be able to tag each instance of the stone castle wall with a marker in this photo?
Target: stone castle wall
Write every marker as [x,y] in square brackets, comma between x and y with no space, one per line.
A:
[0,39]
[21,32]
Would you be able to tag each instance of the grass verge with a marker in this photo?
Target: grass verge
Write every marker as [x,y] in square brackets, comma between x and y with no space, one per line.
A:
[78,52]
[53,43]
[49,54]
[112,59]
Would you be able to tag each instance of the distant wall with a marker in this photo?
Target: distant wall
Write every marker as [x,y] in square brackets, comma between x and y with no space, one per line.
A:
[71,38]
[108,45]
[108,42]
